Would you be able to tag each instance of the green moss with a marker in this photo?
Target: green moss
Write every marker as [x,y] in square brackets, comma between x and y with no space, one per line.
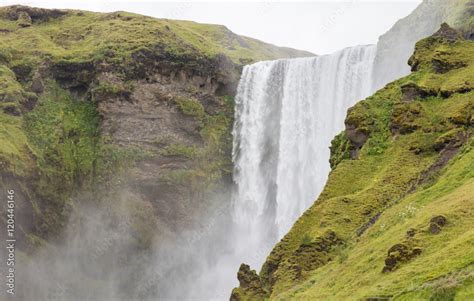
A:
[121,37]
[63,133]
[211,162]
[400,180]
[189,152]
[340,149]
[190,107]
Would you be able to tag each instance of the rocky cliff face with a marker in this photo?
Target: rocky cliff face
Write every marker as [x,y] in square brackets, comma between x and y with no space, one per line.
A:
[112,106]
[393,221]
[396,46]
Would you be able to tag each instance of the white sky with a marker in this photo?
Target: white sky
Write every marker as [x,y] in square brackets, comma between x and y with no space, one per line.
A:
[317,26]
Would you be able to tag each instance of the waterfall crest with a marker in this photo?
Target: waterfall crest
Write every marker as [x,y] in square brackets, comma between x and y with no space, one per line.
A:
[287,113]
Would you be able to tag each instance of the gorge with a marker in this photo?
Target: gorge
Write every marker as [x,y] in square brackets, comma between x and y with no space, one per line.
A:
[151,158]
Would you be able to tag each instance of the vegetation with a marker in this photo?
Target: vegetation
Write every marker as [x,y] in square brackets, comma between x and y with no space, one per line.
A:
[403,205]
[58,66]
[211,161]
[76,37]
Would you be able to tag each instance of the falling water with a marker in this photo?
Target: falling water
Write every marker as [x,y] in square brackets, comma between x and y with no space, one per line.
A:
[287,113]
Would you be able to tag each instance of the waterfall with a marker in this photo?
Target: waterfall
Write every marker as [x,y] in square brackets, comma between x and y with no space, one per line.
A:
[287,113]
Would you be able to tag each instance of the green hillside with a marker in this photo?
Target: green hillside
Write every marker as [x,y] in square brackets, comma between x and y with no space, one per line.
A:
[395,219]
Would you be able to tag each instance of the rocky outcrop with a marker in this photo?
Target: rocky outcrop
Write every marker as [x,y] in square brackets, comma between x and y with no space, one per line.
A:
[400,171]
[436,224]
[398,254]
[160,106]
[251,285]
[25,15]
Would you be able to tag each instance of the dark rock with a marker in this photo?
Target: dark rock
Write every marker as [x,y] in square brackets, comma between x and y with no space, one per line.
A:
[398,254]
[29,102]
[250,281]
[442,66]
[434,229]
[11,109]
[447,33]
[358,136]
[14,12]
[411,91]
[437,223]
[369,224]
[411,233]
[74,75]
[37,85]
[22,72]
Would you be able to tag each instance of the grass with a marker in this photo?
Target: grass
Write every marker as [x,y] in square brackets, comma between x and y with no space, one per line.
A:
[372,202]
[85,36]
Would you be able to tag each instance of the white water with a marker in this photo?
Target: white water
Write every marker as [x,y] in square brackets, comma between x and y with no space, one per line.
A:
[287,113]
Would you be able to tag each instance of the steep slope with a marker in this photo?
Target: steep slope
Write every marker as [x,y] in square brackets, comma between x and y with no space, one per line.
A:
[396,46]
[394,221]
[120,102]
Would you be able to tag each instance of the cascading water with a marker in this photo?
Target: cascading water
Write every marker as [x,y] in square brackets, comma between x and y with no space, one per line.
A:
[287,113]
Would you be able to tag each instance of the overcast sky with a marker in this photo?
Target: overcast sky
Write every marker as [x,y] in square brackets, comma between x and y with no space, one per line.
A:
[317,26]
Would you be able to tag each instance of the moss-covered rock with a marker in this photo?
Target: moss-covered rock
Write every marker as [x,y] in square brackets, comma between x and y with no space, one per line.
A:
[250,284]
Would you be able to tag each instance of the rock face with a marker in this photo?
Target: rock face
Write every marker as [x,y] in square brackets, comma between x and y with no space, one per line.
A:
[140,109]
[395,47]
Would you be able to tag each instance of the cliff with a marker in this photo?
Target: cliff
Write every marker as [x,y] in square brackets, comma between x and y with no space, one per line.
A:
[101,107]
[396,46]
[394,221]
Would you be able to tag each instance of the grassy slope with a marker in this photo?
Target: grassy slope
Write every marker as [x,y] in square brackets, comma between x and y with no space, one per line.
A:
[80,35]
[391,178]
